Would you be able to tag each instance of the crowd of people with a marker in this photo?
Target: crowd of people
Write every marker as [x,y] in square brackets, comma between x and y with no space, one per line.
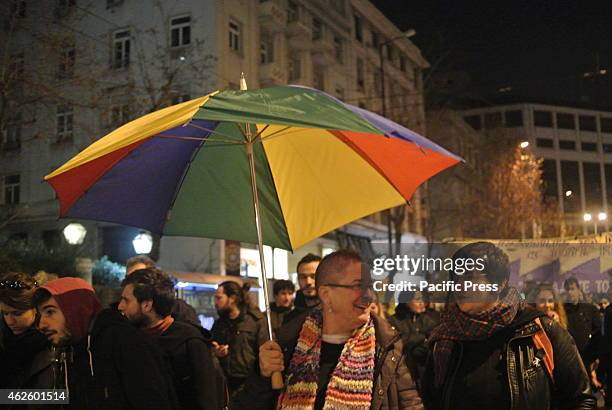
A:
[335,344]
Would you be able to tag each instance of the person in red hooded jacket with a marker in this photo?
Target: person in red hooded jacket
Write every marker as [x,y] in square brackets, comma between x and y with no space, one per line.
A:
[104,362]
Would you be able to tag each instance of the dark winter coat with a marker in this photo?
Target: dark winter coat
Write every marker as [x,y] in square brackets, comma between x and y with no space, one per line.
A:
[584,324]
[27,362]
[277,316]
[244,335]
[506,371]
[415,329]
[196,381]
[393,387]
[301,304]
[116,367]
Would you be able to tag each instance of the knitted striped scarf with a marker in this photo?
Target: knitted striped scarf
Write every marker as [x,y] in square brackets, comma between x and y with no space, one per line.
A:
[350,385]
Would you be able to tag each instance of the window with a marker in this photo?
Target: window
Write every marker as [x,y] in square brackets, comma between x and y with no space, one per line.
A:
[319,78]
[338,51]
[474,121]
[18,8]
[608,171]
[542,118]
[358,28]
[121,49]
[119,115]
[64,122]
[606,124]
[587,123]
[11,189]
[295,71]
[293,12]
[180,31]
[493,120]
[375,40]
[234,36]
[593,194]
[390,52]
[317,29]
[571,182]
[567,145]
[607,148]
[360,76]
[402,62]
[566,121]
[377,82]
[549,178]
[267,50]
[514,118]
[67,60]
[11,135]
[16,66]
[544,143]
[589,146]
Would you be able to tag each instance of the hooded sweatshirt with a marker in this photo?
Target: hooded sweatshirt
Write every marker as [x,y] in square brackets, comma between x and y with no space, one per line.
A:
[103,366]
[78,302]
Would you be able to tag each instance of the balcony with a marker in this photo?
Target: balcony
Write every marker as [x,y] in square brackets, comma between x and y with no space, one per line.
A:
[299,34]
[272,16]
[271,74]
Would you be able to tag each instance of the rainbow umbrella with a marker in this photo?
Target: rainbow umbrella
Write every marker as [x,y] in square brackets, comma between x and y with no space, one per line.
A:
[184,170]
[304,165]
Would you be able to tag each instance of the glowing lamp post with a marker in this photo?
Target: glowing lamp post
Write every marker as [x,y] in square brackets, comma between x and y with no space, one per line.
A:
[143,243]
[75,233]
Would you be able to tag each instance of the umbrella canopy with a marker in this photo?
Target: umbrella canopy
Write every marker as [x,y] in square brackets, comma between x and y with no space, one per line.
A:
[183,170]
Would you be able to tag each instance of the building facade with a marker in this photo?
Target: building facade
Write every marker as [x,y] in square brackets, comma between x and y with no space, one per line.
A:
[576,147]
[77,70]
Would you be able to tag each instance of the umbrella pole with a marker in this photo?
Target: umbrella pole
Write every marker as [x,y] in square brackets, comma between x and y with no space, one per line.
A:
[277,377]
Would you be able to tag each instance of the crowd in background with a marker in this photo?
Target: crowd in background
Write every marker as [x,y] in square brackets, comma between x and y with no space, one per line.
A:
[336,344]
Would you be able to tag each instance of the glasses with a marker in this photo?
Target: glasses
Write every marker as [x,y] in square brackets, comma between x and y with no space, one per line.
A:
[16,285]
[355,287]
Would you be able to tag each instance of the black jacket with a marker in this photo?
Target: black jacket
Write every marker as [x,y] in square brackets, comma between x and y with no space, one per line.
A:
[196,380]
[277,316]
[244,335]
[27,362]
[584,324]
[508,364]
[116,367]
[393,389]
[415,329]
[301,304]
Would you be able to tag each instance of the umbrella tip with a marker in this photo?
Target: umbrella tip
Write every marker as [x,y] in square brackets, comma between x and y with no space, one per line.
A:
[243,84]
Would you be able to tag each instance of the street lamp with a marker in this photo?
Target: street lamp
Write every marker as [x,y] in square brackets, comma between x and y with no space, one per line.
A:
[75,233]
[143,243]
[524,144]
[407,34]
[601,216]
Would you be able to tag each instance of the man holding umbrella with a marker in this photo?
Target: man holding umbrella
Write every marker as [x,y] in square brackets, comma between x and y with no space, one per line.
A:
[338,355]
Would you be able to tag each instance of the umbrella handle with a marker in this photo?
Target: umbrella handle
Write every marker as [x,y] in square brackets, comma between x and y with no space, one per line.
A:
[277,381]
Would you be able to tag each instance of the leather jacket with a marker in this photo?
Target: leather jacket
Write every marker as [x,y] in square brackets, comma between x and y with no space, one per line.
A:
[529,383]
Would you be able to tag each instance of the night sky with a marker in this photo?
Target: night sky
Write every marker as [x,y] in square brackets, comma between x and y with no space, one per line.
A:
[539,48]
